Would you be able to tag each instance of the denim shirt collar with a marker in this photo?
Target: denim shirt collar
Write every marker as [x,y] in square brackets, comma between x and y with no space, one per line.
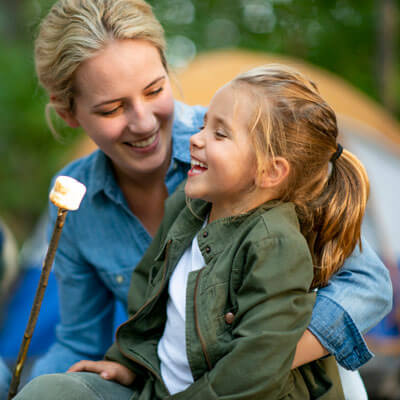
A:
[186,123]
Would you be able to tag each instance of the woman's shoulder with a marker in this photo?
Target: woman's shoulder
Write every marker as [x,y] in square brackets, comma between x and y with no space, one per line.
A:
[187,119]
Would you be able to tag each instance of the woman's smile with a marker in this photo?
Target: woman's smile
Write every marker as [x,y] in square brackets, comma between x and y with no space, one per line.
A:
[145,145]
[129,116]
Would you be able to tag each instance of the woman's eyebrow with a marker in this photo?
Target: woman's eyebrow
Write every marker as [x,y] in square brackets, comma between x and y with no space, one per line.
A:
[154,82]
[160,78]
[107,102]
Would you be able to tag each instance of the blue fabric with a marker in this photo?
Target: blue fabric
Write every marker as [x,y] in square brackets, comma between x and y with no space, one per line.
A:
[5,379]
[17,315]
[92,274]
[354,301]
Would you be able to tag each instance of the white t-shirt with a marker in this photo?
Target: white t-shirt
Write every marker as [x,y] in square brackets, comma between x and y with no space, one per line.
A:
[171,349]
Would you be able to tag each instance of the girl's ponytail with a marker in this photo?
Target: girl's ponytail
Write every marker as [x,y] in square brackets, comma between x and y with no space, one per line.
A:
[328,185]
[339,216]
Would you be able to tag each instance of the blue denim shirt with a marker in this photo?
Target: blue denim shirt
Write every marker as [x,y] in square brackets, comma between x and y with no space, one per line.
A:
[103,241]
[5,379]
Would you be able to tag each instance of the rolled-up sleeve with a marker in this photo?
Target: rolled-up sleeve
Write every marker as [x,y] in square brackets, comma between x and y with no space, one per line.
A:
[354,301]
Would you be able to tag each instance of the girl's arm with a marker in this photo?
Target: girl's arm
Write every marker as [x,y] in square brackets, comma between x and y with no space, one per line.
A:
[355,300]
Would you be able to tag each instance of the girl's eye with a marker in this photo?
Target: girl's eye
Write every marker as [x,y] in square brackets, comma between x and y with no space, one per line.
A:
[220,135]
[155,92]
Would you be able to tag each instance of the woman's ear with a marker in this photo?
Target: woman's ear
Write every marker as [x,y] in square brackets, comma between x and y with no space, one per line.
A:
[274,174]
[67,116]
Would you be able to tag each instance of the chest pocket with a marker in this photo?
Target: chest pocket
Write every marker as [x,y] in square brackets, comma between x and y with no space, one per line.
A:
[118,281]
[220,309]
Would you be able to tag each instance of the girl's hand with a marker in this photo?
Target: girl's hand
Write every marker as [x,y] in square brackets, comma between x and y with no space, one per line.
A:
[108,370]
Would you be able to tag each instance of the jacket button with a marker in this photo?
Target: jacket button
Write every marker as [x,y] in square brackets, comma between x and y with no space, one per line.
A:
[229,318]
[208,249]
[205,234]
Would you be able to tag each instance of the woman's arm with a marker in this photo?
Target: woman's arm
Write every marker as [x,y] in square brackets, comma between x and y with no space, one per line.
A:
[354,301]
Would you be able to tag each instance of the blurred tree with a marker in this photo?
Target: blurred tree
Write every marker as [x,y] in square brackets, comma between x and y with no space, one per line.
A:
[386,54]
[339,35]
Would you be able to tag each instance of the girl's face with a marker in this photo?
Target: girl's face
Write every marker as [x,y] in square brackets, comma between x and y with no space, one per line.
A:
[223,159]
[124,103]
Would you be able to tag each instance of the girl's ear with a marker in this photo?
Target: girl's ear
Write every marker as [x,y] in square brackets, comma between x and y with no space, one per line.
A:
[274,174]
[67,116]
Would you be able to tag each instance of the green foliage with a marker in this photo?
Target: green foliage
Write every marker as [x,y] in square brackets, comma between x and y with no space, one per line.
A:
[29,155]
[339,35]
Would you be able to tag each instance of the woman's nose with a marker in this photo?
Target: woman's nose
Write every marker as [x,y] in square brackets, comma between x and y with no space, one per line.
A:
[141,119]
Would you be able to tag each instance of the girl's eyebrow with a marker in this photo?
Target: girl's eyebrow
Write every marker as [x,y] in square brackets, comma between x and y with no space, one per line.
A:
[160,78]
[219,120]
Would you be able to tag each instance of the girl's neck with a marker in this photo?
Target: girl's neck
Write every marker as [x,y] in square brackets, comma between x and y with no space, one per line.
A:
[230,209]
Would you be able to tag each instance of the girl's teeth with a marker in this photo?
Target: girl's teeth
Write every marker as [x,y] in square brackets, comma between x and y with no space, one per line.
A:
[144,143]
[195,163]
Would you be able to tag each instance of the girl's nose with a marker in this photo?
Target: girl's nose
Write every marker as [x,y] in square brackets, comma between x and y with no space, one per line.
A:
[197,140]
[141,119]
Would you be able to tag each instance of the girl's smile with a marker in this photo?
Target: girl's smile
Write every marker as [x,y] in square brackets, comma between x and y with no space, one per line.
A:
[223,166]
[197,167]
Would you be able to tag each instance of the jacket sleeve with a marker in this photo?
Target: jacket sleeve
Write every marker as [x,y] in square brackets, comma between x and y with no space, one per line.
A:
[274,307]
[355,300]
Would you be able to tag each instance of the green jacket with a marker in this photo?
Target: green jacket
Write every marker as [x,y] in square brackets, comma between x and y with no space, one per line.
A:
[246,308]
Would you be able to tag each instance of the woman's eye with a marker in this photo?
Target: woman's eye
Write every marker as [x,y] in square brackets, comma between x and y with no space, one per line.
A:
[155,92]
[110,112]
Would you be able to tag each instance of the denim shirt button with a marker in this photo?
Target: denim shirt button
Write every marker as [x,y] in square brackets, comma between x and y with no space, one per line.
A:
[119,279]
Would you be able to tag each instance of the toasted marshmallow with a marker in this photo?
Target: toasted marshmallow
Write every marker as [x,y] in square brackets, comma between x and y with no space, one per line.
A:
[67,193]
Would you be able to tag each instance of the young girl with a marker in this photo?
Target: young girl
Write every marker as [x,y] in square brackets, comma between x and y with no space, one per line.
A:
[225,291]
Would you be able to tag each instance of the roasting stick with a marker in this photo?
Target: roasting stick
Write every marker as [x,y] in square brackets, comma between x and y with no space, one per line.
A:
[67,195]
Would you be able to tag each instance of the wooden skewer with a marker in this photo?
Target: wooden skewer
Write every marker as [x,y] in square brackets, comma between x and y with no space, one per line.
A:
[61,197]
[44,278]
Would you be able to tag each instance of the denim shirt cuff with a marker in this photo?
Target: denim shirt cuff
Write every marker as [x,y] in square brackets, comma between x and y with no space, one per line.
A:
[338,333]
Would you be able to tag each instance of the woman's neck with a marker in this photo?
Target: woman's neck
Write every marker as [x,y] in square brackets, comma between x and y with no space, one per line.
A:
[145,197]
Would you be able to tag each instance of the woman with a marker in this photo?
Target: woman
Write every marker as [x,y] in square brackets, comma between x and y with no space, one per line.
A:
[102,63]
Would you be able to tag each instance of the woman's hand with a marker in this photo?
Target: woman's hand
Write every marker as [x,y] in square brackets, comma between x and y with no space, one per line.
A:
[108,370]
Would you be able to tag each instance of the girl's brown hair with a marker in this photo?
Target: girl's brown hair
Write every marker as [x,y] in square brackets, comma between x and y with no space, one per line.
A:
[291,120]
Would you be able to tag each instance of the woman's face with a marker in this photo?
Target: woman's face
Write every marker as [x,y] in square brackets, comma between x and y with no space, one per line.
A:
[124,103]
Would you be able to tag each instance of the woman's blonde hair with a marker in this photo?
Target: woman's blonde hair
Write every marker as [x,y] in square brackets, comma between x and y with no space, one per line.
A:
[74,30]
[291,120]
